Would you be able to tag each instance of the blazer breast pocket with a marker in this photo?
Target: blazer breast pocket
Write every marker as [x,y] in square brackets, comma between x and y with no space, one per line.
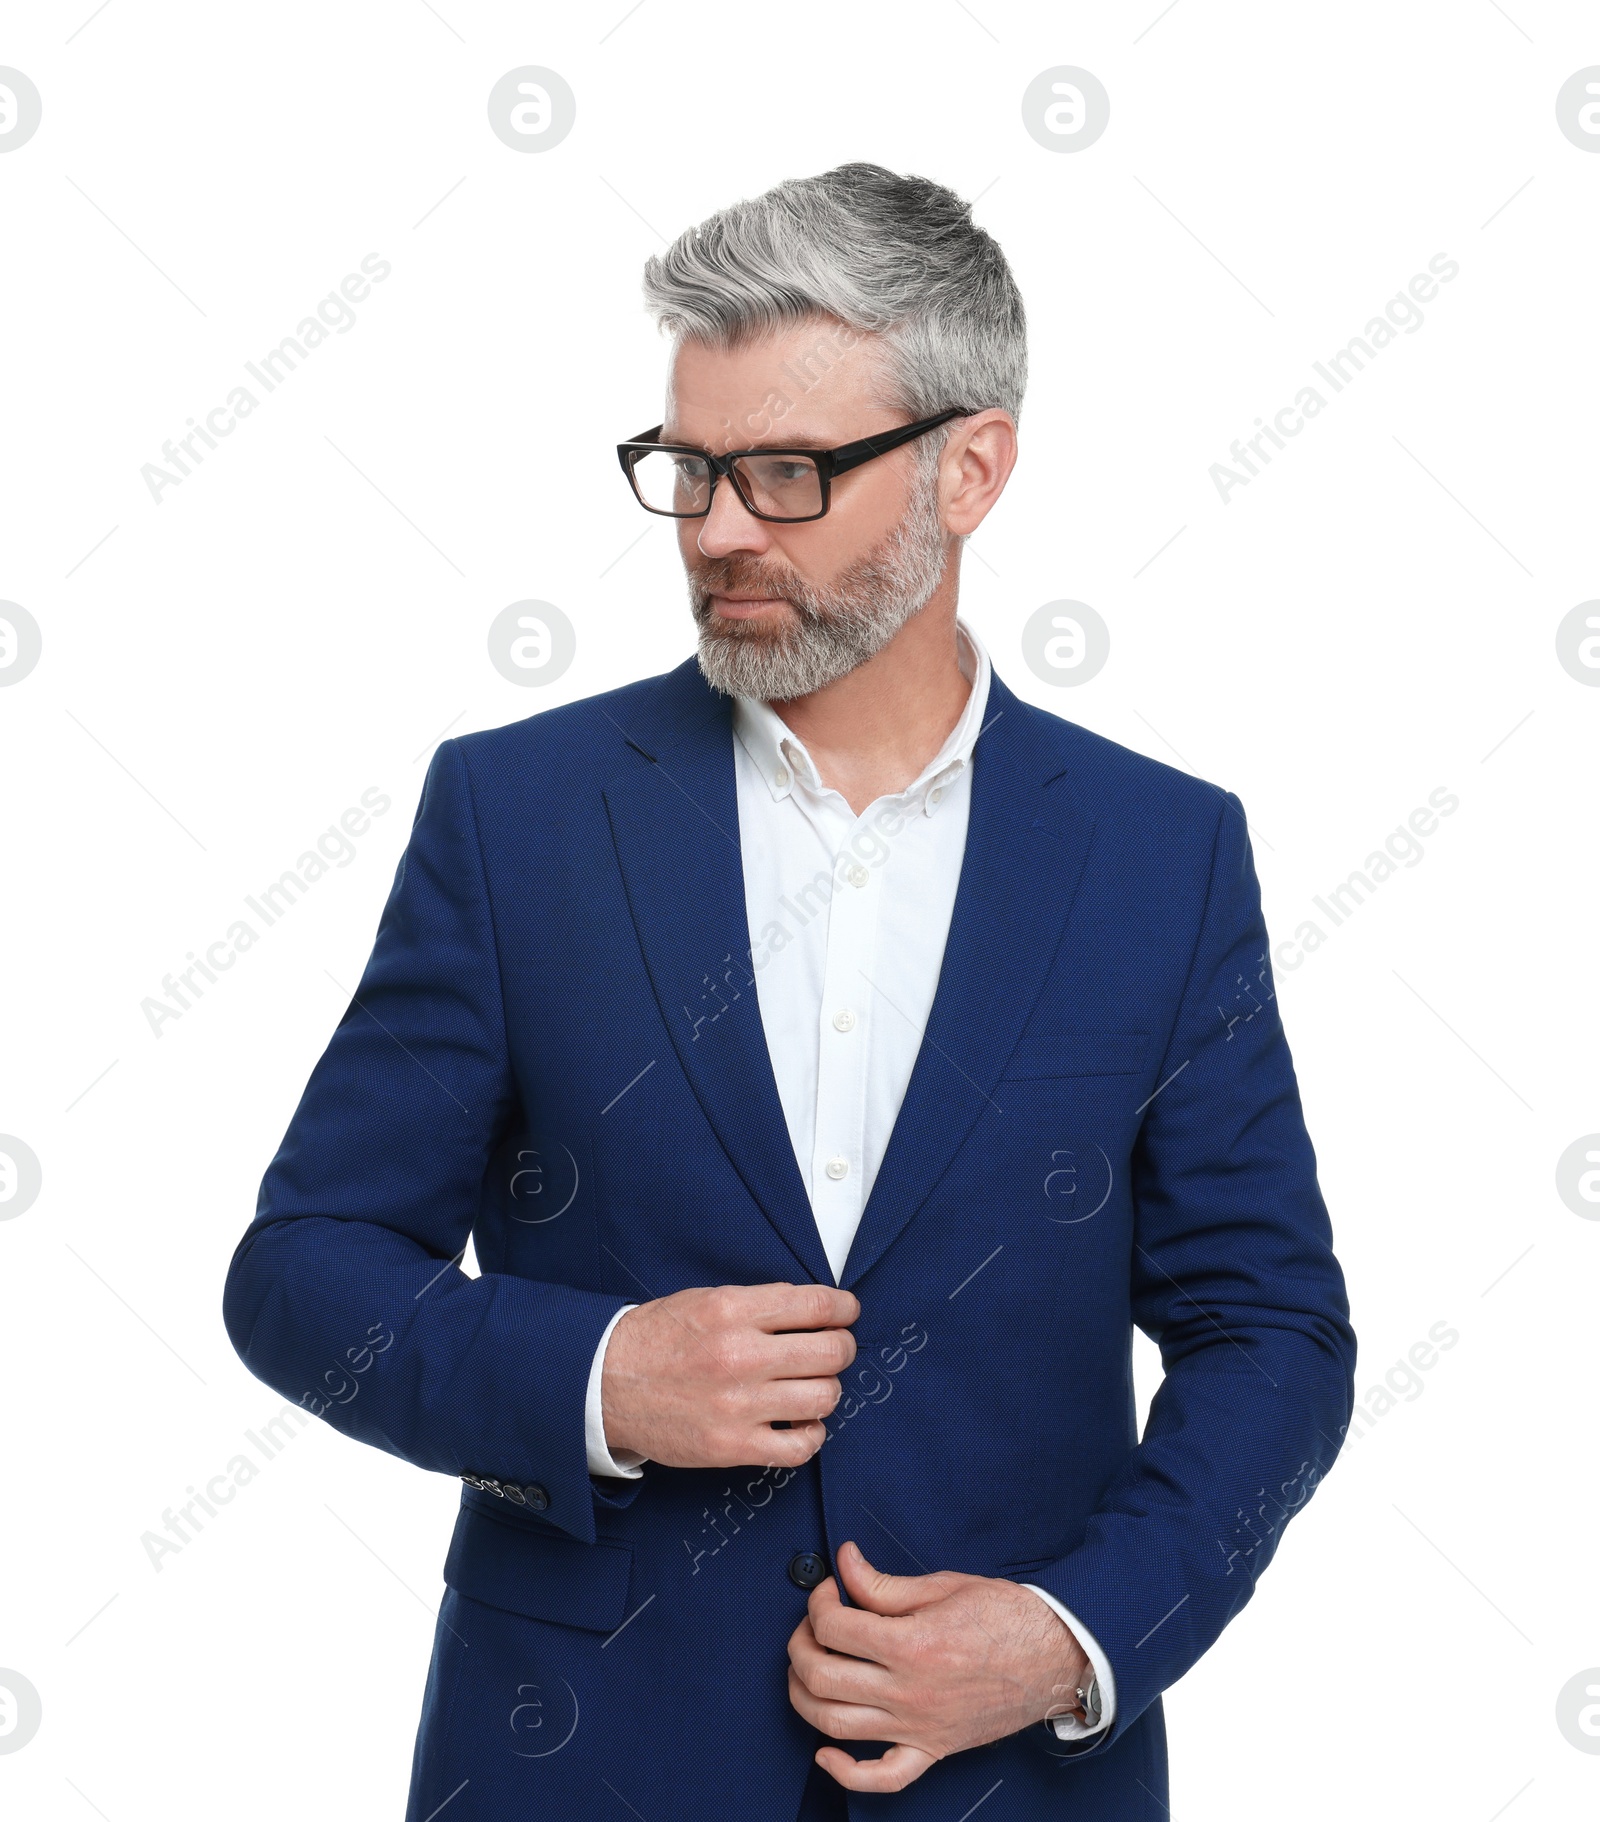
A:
[1042,1054]
[546,1575]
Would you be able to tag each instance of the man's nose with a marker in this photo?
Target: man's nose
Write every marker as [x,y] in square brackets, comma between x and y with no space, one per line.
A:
[730,525]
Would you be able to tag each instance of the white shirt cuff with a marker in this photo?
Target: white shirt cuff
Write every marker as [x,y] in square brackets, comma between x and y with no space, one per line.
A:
[626,1464]
[1068,1726]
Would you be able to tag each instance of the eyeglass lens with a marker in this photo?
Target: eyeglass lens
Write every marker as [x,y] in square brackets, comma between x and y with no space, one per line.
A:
[781,486]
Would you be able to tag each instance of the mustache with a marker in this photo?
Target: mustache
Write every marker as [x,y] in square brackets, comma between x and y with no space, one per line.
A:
[729,576]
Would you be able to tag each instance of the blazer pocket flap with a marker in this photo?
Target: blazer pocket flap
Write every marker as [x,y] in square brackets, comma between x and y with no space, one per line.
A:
[1054,1053]
[545,1575]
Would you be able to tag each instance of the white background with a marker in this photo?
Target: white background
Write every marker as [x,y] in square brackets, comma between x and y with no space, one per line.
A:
[1371,618]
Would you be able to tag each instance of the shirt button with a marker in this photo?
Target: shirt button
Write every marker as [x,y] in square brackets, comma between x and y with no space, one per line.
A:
[838,1167]
[935,794]
[844,1019]
[857,875]
[780,777]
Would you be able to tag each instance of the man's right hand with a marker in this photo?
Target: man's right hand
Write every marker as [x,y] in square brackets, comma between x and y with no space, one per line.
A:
[696,1380]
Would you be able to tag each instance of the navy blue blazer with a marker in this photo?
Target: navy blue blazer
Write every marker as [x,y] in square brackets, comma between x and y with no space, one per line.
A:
[556,1048]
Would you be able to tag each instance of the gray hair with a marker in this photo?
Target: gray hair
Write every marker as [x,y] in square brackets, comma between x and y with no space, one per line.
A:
[896,256]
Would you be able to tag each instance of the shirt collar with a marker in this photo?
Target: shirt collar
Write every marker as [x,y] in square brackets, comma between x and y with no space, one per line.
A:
[783,762]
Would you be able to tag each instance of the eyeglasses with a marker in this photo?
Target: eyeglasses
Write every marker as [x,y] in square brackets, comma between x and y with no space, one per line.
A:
[783,485]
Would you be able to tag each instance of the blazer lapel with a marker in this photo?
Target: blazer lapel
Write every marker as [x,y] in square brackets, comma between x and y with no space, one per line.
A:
[1024,855]
[675,821]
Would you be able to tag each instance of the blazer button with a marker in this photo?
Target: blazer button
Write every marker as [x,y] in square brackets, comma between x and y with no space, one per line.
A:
[807,1570]
[536,1497]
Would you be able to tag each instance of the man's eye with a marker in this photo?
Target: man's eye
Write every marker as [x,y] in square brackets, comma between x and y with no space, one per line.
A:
[777,471]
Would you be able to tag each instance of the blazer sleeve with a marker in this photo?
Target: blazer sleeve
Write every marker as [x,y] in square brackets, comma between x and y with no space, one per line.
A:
[1235,1279]
[345,1293]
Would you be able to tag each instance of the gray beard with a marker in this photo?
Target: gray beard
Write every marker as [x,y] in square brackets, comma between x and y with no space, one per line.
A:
[833,629]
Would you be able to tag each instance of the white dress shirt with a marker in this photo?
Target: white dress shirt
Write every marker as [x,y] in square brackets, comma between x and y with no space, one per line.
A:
[848,918]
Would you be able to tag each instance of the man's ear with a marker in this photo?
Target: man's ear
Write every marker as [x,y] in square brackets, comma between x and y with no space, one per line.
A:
[974,466]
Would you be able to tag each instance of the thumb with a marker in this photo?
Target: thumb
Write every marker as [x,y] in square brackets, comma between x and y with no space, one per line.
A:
[881,1593]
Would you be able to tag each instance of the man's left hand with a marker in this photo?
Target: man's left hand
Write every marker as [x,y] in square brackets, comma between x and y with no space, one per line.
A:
[932,1663]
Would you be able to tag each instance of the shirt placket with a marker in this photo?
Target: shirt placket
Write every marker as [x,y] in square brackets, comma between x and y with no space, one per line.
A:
[845,1019]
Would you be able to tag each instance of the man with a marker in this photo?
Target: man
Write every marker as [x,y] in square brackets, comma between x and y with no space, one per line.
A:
[831,1057]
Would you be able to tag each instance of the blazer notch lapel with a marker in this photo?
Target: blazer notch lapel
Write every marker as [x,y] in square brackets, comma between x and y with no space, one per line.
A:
[675,825]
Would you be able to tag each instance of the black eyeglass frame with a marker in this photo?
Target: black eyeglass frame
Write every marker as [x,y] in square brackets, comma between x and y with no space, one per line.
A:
[829,463]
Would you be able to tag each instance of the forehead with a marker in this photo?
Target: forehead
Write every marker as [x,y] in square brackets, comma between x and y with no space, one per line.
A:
[814,382]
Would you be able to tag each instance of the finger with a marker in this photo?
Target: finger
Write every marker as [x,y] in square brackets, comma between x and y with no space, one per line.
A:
[796,1400]
[900,1765]
[880,1593]
[835,1676]
[842,1627]
[805,1353]
[857,1630]
[777,1307]
[791,1448]
[839,1720]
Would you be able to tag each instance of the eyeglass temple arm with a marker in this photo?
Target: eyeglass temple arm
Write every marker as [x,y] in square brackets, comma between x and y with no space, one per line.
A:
[848,455]
[852,455]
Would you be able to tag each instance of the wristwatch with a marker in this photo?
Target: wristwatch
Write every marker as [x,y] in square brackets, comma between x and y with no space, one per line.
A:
[1088,1695]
